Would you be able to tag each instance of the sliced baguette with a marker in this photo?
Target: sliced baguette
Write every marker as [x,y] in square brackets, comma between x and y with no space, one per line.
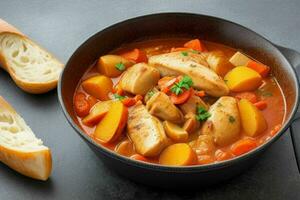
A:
[19,148]
[32,68]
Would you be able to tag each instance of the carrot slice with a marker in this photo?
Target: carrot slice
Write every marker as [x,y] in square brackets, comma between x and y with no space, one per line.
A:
[250,96]
[261,105]
[92,100]
[174,49]
[138,98]
[195,44]
[81,105]
[128,102]
[139,157]
[262,69]
[181,98]
[243,146]
[135,55]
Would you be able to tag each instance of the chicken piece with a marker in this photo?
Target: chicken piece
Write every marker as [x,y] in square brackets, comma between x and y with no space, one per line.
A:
[203,145]
[145,131]
[224,123]
[219,63]
[162,107]
[139,79]
[191,105]
[175,63]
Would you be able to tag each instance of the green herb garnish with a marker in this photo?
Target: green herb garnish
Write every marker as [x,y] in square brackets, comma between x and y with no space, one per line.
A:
[184,53]
[202,114]
[120,66]
[150,93]
[195,51]
[186,82]
[119,97]
[231,119]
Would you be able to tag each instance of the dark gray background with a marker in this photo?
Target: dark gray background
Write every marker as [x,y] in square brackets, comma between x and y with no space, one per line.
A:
[61,26]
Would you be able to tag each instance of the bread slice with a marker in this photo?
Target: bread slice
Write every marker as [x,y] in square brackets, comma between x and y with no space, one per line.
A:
[32,68]
[19,148]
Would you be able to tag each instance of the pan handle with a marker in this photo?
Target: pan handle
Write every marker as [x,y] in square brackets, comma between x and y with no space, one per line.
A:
[294,58]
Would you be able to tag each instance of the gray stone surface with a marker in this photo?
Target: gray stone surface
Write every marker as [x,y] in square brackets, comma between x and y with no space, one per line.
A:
[61,26]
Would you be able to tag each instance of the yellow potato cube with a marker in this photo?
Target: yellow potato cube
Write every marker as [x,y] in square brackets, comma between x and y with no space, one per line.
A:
[241,79]
[253,121]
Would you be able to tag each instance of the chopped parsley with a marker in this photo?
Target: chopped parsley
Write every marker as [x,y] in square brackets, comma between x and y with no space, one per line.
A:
[150,93]
[231,119]
[184,53]
[195,51]
[119,97]
[120,66]
[202,114]
[186,82]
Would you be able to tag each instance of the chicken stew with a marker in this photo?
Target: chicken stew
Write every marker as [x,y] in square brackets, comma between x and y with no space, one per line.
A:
[179,102]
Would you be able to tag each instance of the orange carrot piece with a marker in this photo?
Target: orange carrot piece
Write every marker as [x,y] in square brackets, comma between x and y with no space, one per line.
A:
[195,44]
[92,100]
[262,69]
[275,129]
[261,105]
[81,105]
[250,96]
[181,98]
[243,146]
[139,157]
[175,49]
[136,55]
[128,102]
[200,93]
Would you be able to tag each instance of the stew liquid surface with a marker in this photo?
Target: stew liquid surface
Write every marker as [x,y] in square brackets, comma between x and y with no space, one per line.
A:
[181,102]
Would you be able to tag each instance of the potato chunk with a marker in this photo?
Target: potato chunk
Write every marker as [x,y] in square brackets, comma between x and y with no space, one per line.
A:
[98,86]
[139,79]
[242,79]
[180,154]
[253,121]
[162,107]
[111,65]
[175,132]
[145,131]
[224,123]
[239,59]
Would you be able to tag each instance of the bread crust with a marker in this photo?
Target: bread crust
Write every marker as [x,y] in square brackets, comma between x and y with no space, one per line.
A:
[30,87]
[35,164]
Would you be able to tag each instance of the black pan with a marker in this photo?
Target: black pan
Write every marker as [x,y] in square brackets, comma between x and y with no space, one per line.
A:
[209,28]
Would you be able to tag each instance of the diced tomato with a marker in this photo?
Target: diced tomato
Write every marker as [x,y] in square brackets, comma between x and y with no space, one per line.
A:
[195,44]
[81,105]
[261,105]
[136,55]
[250,96]
[181,98]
